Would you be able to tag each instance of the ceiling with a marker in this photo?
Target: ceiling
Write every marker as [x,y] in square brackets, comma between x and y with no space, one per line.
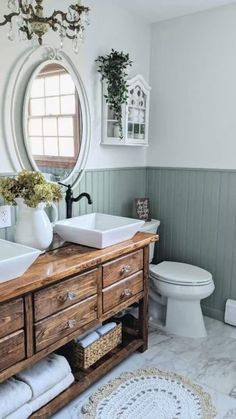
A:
[156,10]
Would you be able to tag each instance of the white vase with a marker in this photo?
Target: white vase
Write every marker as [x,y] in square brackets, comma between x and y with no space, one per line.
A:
[33,227]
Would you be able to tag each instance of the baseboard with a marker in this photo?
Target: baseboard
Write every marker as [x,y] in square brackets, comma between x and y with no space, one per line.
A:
[213,312]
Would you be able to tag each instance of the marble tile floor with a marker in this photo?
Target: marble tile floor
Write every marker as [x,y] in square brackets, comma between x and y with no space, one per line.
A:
[210,362]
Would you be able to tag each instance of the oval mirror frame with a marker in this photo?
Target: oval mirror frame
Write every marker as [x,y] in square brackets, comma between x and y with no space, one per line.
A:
[16,99]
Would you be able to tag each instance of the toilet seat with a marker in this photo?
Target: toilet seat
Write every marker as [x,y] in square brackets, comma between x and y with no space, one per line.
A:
[183,274]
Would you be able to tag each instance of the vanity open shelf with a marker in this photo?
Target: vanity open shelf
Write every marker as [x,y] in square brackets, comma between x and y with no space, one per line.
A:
[64,294]
[84,379]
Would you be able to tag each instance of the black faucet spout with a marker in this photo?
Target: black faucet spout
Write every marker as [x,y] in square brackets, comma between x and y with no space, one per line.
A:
[70,199]
[83,195]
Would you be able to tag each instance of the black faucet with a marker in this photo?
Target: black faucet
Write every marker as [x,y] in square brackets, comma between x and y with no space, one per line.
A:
[70,199]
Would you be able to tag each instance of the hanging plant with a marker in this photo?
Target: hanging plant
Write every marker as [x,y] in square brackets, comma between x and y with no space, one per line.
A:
[113,69]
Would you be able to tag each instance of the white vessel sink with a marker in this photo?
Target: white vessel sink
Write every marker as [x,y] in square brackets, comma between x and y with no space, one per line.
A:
[97,230]
[15,259]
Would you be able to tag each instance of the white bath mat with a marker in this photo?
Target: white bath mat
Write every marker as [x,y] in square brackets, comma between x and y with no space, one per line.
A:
[150,394]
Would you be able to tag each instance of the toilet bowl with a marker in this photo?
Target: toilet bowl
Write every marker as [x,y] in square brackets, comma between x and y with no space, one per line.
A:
[176,290]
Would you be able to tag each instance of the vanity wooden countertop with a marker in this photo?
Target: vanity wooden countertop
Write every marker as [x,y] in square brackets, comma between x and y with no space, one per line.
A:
[66,261]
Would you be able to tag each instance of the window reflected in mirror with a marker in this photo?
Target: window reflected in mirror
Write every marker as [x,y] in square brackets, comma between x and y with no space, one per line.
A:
[54,122]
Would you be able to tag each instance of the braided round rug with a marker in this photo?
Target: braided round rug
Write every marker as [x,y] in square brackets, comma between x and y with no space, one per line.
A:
[149,394]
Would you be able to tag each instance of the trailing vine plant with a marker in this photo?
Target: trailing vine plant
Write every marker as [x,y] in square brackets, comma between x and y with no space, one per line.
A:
[113,69]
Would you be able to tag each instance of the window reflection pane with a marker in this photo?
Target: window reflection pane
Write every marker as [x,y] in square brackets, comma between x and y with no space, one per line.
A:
[37,89]
[51,146]
[65,127]
[35,127]
[67,84]
[66,146]
[68,105]
[50,126]
[52,106]
[36,145]
[37,107]
[52,86]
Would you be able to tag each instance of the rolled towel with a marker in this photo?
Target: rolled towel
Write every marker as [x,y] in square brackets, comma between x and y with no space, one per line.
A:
[45,374]
[106,328]
[23,412]
[13,395]
[89,339]
[45,398]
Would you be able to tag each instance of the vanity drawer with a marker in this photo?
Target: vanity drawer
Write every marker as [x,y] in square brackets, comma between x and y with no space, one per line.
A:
[62,324]
[123,291]
[122,268]
[11,317]
[12,349]
[65,294]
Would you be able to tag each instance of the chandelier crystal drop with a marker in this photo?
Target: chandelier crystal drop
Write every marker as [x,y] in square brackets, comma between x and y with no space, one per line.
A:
[27,21]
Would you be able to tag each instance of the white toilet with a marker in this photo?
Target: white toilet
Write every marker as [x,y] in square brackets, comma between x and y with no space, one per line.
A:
[176,290]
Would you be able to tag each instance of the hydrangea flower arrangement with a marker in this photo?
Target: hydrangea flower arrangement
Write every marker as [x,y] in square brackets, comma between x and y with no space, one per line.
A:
[32,187]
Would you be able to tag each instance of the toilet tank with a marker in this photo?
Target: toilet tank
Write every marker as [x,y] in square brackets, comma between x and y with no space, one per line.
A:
[151,227]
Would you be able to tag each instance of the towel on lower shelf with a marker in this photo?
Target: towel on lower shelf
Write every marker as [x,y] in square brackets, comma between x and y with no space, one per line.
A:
[88,340]
[23,412]
[106,328]
[13,395]
[45,398]
[45,374]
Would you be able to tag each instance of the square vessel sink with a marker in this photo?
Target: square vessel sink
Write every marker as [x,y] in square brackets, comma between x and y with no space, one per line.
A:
[15,259]
[98,230]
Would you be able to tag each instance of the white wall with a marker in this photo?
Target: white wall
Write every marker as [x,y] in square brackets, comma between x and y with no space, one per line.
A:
[193,102]
[111,27]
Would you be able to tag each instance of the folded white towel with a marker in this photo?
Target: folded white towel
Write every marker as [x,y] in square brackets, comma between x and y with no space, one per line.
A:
[13,395]
[89,339]
[45,398]
[45,374]
[93,329]
[23,412]
[106,328]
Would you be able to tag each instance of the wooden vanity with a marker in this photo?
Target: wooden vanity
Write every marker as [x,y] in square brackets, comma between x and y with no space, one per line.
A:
[65,293]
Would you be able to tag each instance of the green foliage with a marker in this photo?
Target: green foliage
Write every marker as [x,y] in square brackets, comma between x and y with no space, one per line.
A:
[32,187]
[113,69]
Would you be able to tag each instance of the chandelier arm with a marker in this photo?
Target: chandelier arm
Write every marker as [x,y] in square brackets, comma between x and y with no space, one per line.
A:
[28,33]
[81,9]
[8,18]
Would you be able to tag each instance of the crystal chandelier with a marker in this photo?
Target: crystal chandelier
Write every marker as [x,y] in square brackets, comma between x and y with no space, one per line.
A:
[30,22]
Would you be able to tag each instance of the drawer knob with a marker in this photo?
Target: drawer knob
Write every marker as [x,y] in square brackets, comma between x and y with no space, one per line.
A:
[71,295]
[127,293]
[71,324]
[126,269]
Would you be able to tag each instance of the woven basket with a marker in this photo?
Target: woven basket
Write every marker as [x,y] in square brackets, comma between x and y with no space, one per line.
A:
[83,358]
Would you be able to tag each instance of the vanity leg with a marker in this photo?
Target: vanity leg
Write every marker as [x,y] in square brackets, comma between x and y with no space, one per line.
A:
[143,304]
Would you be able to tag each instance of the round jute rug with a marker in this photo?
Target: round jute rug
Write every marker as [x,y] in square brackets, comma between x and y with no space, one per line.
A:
[149,394]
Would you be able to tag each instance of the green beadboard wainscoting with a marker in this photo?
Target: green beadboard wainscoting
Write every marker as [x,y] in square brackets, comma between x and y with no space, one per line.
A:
[197,210]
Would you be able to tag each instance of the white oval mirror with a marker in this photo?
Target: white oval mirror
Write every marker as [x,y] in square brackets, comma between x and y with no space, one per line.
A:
[53,122]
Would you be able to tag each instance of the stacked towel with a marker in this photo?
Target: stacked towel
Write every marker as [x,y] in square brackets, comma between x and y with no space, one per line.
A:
[46,397]
[88,339]
[92,336]
[106,328]
[44,375]
[23,412]
[34,387]
[13,395]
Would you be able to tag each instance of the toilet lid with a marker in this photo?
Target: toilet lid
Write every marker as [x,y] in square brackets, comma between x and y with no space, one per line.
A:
[180,273]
